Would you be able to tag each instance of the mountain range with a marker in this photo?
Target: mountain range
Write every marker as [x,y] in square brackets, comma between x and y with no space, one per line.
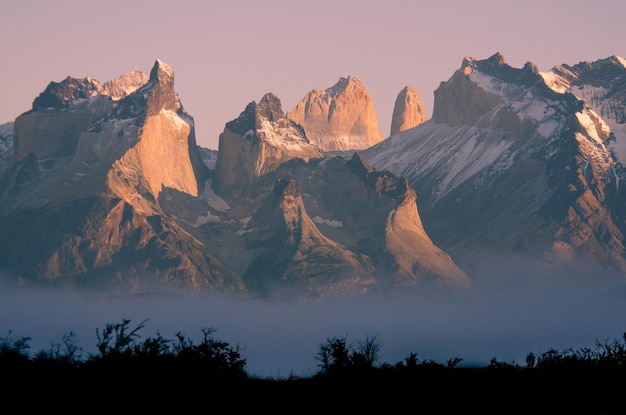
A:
[515,181]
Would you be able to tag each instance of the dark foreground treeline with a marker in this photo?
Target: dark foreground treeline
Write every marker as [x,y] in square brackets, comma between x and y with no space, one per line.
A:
[132,372]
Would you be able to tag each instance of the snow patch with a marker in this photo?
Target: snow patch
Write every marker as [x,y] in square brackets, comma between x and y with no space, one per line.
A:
[244,230]
[329,222]
[621,60]
[595,154]
[523,102]
[208,218]
[288,138]
[555,82]
[444,152]
[591,123]
[214,200]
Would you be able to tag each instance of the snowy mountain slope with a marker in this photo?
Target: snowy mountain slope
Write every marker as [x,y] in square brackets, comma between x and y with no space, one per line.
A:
[509,166]
[602,85]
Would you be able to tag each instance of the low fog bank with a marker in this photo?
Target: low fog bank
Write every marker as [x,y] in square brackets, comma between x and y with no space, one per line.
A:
[281,339]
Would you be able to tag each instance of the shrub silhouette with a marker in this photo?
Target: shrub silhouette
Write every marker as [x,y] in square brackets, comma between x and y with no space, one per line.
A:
[120,347]
[14,351]
[337,355]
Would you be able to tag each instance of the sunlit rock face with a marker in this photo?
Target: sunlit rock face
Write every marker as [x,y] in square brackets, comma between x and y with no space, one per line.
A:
[49,133]
[511,171]
[339,118]
[81,195]
[408,111]
[165,145]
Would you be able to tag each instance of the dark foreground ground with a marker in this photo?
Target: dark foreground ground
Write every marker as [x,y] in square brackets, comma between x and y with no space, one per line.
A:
[421,390]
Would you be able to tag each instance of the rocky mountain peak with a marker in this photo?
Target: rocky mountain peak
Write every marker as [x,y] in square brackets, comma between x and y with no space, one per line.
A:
[339,118]
[408,111]
[496,59]
[344,85]
[125,84]
[161,72]
[270,108]
[162,95]
[252,118]
[481,88]
[256,143]
[618,60]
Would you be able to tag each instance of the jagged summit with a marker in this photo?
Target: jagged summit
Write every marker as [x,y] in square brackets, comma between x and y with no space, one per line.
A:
[161,72]
[58,95]
[470,63]
[125,84]
[268,109]
[489,89]
[267,122]
[339,118]
[344,84]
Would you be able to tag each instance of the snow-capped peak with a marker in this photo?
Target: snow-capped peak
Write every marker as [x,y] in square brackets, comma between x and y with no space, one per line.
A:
[125,84]
[520,100]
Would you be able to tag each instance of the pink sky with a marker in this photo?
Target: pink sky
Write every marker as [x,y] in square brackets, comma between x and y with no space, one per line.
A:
[226,54]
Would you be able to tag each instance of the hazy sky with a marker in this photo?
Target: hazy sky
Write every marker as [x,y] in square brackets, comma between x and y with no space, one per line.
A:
[226,54]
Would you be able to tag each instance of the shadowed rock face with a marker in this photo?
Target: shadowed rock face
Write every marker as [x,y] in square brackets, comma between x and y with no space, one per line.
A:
[408,111]
[332,227]
[339,118]
[291,258]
